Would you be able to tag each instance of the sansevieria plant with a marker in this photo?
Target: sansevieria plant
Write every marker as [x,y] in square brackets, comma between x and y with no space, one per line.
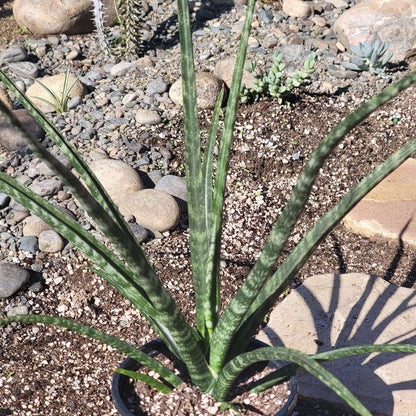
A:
[213,352]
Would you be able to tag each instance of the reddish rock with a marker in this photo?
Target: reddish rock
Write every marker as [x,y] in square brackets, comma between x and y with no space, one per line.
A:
[388,211]
[387,20]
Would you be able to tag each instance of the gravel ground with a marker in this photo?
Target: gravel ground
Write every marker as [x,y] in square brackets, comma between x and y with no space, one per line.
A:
[49,371]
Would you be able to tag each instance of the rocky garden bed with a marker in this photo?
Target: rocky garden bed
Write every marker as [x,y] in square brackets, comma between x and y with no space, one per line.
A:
[49,371]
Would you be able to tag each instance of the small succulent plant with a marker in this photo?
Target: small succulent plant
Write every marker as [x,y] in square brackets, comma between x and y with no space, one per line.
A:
[369,57]
[272,84]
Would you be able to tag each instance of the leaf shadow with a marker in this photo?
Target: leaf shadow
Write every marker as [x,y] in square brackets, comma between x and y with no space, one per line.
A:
[353,318]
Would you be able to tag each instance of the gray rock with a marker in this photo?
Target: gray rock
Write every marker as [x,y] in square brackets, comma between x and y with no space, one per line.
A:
[24,69]
[266,16]
[10,139]
[121,68]
[50,241]
[94,75]
[12,278]
[29,243]
[175,186]
[148,117]
[153,209]
[129,98]
[74,102]
[139,232]
[18,310]
[15,53]
[294,53]
[35,287]
[46,187]
[342,73]
[158,86]
[4,200]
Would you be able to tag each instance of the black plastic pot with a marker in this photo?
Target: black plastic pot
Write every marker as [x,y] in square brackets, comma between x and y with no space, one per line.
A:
[124,395]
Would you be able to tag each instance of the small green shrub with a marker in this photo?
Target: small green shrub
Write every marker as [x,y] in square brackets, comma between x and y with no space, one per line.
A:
[273,84]
[59,103]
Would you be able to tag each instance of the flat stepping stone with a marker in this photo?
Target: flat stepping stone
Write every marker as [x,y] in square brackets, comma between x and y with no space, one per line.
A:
[388,211]
[332,311]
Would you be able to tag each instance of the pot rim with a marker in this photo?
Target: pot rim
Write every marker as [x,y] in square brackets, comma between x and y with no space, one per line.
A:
[157,346]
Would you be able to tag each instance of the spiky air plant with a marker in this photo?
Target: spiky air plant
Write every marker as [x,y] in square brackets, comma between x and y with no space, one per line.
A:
[102,30]
[130,19]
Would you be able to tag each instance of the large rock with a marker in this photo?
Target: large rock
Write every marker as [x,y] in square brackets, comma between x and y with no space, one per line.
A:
[12,278]
[10,139]
[177,187]
[387,20]
[388,210]
[56,84]
[49,17]
[118,178]
[224,70]
[153,209]
[331,311]
[208,87]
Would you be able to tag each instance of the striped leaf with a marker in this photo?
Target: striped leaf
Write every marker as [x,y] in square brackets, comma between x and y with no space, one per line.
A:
[308,244]
[193,164]
[115,272]
[289,369]
[234,367]
[150,381]
[110,340]
[210,285]
[173,327]
[234,315]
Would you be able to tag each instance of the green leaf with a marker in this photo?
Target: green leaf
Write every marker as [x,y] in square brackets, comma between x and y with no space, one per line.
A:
[150,381]
[247,298]
[210,287]
[286,272]
[110,340]
[234,367]
[289,369]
